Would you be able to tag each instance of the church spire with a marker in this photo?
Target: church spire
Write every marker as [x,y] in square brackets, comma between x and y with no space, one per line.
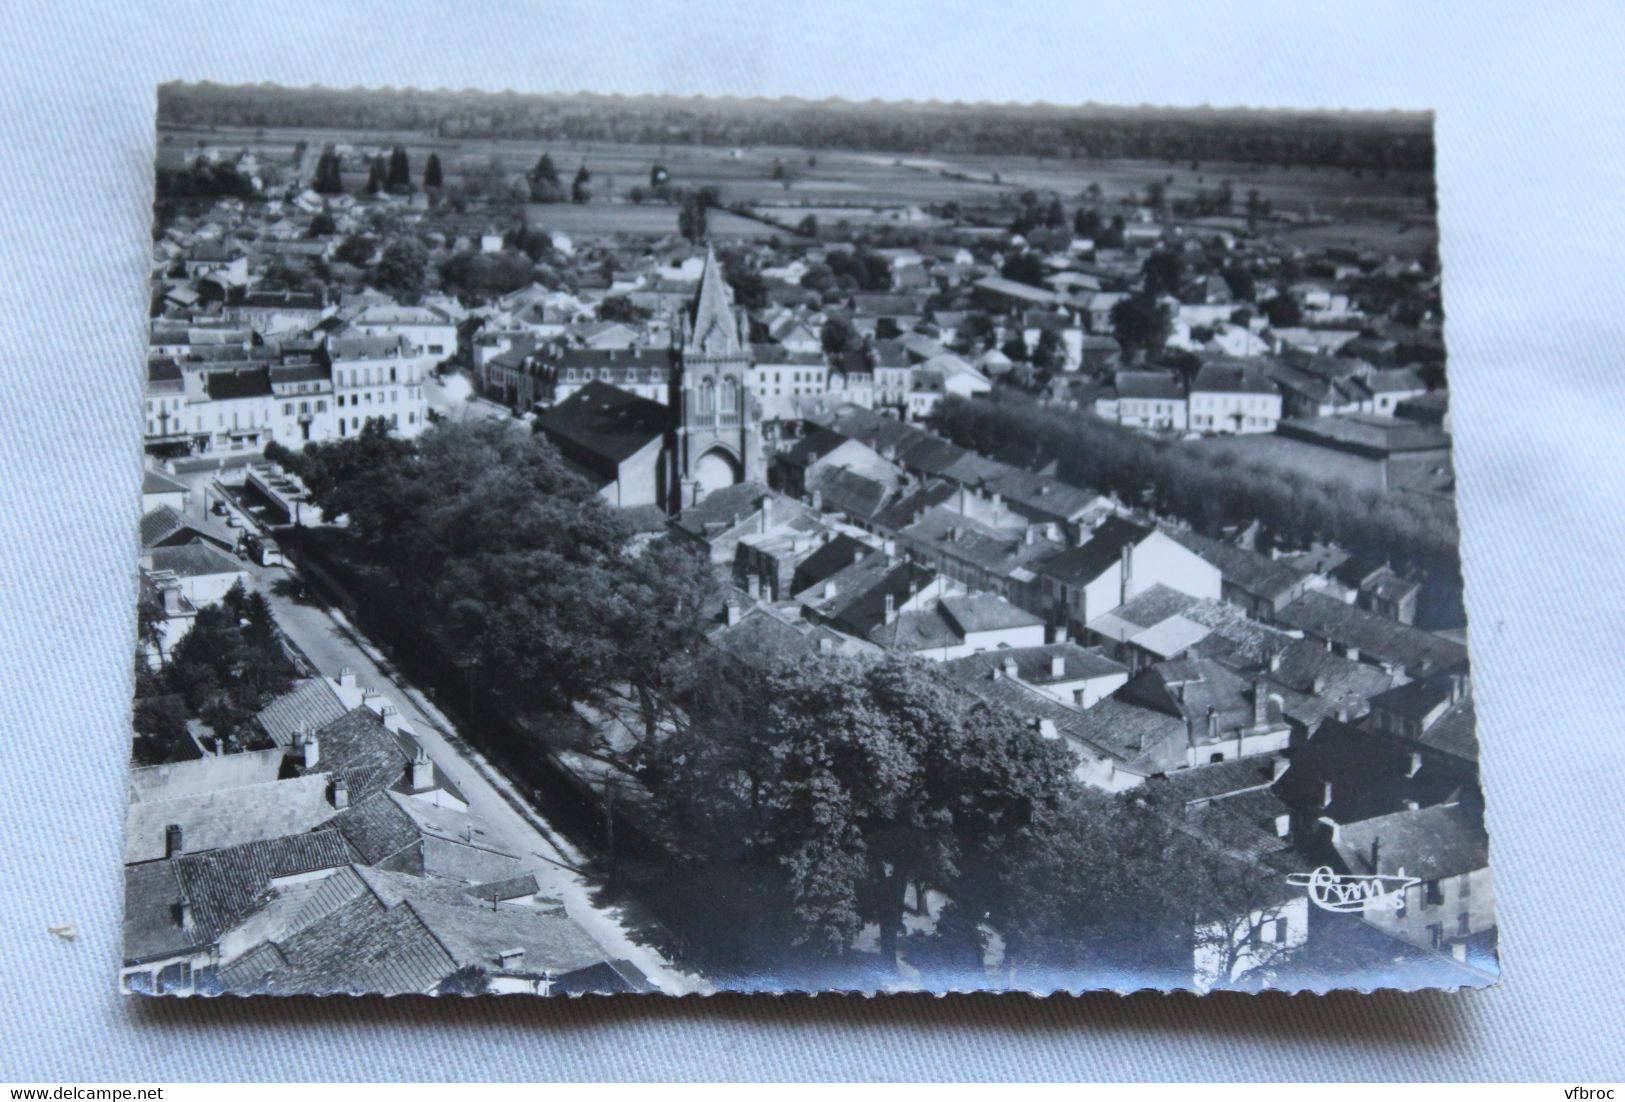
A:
[715,331]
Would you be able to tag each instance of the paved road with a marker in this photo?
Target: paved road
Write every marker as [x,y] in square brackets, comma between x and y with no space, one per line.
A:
[332,644]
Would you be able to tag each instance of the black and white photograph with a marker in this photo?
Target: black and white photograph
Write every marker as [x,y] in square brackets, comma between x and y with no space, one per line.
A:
[674,545]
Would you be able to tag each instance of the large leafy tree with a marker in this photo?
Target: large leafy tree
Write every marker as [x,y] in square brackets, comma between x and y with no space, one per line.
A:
[1141,322]
[847,791]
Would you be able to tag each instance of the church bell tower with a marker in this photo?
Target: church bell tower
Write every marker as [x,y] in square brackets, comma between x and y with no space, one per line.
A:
[718,423]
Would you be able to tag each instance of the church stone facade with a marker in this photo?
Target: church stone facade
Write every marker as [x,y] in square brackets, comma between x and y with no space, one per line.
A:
[718,432]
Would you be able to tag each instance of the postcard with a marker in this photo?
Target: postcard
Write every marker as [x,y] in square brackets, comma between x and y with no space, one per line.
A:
[598,544]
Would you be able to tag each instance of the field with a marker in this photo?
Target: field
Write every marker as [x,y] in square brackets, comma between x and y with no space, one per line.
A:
[1286,454]
[1386,211]
[598,219]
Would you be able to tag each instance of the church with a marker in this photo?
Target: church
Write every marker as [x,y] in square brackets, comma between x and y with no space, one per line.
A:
[708,435]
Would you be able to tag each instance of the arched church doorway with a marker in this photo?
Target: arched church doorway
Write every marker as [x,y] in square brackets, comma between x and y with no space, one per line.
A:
[715,470]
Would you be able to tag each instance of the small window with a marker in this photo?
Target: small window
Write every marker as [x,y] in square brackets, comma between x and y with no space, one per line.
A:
[1464,924]
[1280,931]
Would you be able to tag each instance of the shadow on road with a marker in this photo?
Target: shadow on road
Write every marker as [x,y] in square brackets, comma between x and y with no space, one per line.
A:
[292,589]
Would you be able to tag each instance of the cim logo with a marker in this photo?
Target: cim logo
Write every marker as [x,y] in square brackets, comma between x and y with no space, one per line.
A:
[1346,892]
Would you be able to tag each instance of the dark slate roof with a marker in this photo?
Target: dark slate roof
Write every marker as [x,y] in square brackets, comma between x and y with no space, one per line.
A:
[1148,384]
[1249,571]
[848,492]
[1035,665]
[605,423]
[1386,640]
[1231,378]
[1370,774]
[1080,565]
[727,506]
[830,558]
[1428,843]
[254,382]
[813,447]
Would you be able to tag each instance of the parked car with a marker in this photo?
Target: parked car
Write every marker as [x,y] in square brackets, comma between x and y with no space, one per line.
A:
[264,551]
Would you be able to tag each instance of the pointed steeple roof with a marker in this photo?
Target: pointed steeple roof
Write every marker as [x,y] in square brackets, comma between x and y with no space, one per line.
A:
[714,331]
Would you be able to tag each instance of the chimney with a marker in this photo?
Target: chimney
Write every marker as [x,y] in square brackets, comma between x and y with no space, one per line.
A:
[1457,688]
[1046,729]
[733,614]
[1334,831]
[1275,659]
[953,533]
[1277,769]
[1061,633]
[826,645]
[1317,684]
[1030,537]
[1414,766]
[753,586]
[313,752]
[346,678]
[422,771]
[187,919]
[1261,705]
[829,589]
[391,717]
[1326,794]
[1342,713]
[1376,855]
[1057,666]
[818,500]
[1010,667]
[1352,653]
[891,609]
[1212,724]
[889,546]
[1128,571]
[174,840]
[341,793]
[1052,532]
[1412,805]
[510,959]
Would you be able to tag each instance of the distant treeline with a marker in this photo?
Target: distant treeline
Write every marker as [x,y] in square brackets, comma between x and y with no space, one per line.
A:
[1398,141]
[1412,531]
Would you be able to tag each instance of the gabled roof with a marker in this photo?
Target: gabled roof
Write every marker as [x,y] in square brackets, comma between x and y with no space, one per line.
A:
[728,506]
[197,559]
[604,424]
[1428,843]
[164,525]
[358,749]
[225,885]
[1387,640]
[158,482]
[226,817]
[1258,575]
[1036,665]
[1081,565]
[311,704]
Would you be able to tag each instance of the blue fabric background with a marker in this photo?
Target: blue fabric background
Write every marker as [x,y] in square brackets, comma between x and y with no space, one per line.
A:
[1530,107]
